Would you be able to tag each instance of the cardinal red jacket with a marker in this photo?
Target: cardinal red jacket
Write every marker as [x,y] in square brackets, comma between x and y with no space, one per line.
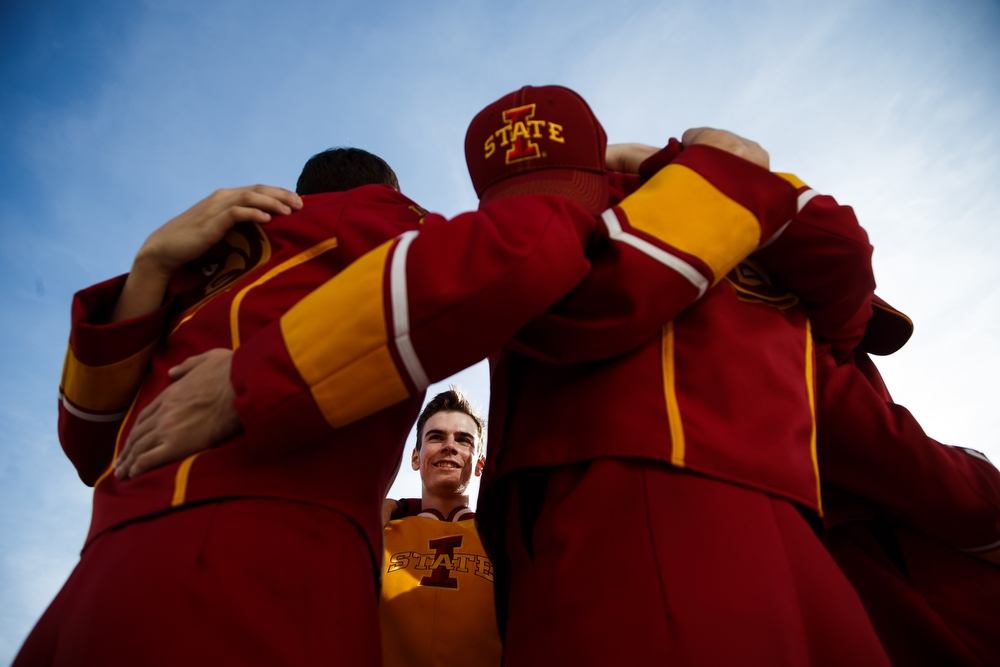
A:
[875,449]
[913,523]
[726,388]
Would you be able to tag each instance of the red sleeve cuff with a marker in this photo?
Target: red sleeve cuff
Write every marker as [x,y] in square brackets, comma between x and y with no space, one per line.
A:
[96,342]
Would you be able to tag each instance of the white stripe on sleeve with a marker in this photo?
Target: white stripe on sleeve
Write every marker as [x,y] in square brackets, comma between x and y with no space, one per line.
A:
[401,312]
[89,416]
[616,232]
[805,198]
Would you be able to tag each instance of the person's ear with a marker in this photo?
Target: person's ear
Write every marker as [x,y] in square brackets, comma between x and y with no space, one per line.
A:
[415,459]
[479,465]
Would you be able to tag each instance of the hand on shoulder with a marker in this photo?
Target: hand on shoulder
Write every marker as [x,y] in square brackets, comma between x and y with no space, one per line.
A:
[729,142]
[189,235]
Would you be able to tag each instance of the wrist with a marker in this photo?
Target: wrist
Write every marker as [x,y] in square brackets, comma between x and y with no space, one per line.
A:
[143,291]
[148,267]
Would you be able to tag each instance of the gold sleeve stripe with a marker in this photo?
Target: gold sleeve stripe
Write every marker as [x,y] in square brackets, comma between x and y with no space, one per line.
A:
[810,390]
[104,388]
[181,480]
[796,182]
[670,393]
[302,257]
[681,208]
[616,232]
[337,339]
[401,312]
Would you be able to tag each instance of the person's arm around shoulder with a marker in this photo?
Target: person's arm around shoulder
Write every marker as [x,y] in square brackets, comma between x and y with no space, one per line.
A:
[529,251]
[117,324]
[703,205]
[198,410]
[189,235]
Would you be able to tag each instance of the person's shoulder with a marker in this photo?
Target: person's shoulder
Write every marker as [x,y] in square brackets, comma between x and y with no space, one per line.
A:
[366,194]
[368,207]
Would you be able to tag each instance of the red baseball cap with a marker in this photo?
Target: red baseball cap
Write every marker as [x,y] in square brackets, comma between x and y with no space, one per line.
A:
[887,330]
[538,140]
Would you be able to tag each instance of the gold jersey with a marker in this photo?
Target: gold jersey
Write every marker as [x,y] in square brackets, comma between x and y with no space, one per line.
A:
[437,596]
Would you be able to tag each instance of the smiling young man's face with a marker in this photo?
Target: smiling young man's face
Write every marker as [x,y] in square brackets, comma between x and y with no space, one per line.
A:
[447,456]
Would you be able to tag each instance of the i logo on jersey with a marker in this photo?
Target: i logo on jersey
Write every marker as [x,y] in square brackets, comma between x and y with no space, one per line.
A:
[519,133]
[753,284]
[442,561]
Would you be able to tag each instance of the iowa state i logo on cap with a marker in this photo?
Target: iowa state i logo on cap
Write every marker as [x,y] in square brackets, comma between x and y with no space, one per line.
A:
[519,133]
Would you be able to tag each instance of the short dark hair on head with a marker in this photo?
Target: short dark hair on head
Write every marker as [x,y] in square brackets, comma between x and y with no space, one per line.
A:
[339,169]
[452,401]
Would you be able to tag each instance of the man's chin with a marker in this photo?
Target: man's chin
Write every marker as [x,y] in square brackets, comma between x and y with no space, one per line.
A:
[447,485]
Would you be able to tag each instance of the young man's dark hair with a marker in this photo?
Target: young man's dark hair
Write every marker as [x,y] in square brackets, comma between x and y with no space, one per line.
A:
[339,169]
[451,401]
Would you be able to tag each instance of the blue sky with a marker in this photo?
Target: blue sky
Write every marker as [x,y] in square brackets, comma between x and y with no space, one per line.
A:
[116,116]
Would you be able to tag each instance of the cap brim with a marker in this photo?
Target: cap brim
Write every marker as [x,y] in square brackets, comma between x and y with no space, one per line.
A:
[587,188]
[887,331]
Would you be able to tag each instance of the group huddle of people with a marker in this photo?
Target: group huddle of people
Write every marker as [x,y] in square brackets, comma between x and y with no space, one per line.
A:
[692,458]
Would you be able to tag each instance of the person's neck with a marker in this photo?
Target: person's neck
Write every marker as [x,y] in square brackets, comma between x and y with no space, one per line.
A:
[444,505]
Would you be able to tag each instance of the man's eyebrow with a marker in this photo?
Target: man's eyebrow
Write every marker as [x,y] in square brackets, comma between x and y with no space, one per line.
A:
[437,431]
